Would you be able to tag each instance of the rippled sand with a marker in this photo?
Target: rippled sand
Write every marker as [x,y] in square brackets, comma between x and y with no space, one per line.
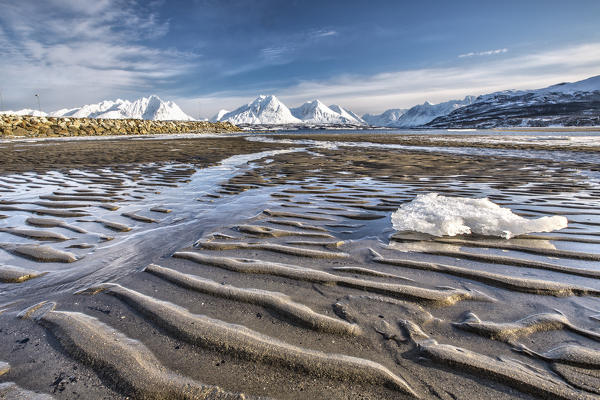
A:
[218,268]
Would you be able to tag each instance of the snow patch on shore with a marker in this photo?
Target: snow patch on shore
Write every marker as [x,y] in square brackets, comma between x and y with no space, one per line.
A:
[450,216]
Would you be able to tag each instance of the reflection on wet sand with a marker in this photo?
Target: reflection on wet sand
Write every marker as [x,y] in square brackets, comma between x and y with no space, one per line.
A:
[163,268]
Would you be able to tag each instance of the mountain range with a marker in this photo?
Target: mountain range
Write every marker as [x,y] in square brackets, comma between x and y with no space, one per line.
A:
[269,110]
[418,115]
[152,108]
[26,111]
[387,118]
[565,104]
[318,113]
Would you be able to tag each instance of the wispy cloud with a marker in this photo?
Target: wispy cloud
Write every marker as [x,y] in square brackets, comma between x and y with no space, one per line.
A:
[277,53]
[282,50]
[483,53]
[73,51]
[375,93]
[321,33]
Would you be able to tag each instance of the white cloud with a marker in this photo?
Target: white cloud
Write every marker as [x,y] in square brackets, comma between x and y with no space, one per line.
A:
[324,33]
[483,53]
[401,89]
[77,51]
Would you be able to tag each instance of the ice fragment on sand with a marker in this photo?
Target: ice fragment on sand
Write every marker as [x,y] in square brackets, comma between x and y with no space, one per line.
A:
[450,216]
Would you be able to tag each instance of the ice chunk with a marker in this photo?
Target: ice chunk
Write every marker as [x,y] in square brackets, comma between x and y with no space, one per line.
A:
[450,216]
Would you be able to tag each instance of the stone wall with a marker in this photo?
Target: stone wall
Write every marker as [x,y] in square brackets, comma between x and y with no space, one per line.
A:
[28,126]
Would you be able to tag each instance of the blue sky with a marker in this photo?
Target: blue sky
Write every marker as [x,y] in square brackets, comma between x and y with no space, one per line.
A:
[365,55]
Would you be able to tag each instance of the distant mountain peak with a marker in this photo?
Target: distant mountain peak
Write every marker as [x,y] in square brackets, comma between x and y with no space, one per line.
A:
[269,110]
[265,109]
[387,118]
[150,108]
[348,114]
[416,116]
[316,112]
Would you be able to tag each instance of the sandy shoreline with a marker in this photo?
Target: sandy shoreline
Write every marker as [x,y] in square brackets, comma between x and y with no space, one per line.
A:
[220,265]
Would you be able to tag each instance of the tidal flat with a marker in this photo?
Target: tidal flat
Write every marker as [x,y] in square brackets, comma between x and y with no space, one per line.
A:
[267,266]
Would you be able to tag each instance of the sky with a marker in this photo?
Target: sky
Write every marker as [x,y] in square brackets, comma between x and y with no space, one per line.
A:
[368,56]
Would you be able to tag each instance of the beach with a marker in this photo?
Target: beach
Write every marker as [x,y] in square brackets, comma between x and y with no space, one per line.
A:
[271,265]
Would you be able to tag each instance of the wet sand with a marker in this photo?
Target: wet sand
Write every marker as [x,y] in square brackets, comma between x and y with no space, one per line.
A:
[222,267]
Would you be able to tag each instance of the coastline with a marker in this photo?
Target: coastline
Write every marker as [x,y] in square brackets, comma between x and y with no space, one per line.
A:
[24,127]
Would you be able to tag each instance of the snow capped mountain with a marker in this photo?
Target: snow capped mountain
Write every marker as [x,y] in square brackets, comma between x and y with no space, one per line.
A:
[387,118]
[93,110]
[566,88]
[263,110]
[316,112]
[26,111]
[349,115]
[269,110]
[152,108]
[155,109]
[565,104]
[418,115]
[422,114]
[585,86]
[218,116]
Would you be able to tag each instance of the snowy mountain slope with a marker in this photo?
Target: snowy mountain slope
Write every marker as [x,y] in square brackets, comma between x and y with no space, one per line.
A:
[349,115]
[423,113]
[566,88]
[269,110]
[263,110]
[218,116]
[587,85]
[387,118]
[91,110]
[417,115]
[155,109]
[565,104]
[151,108]
[26,111]
[316,112]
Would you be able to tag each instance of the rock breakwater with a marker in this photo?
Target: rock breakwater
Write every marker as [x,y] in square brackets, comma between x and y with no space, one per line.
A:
[29,126]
